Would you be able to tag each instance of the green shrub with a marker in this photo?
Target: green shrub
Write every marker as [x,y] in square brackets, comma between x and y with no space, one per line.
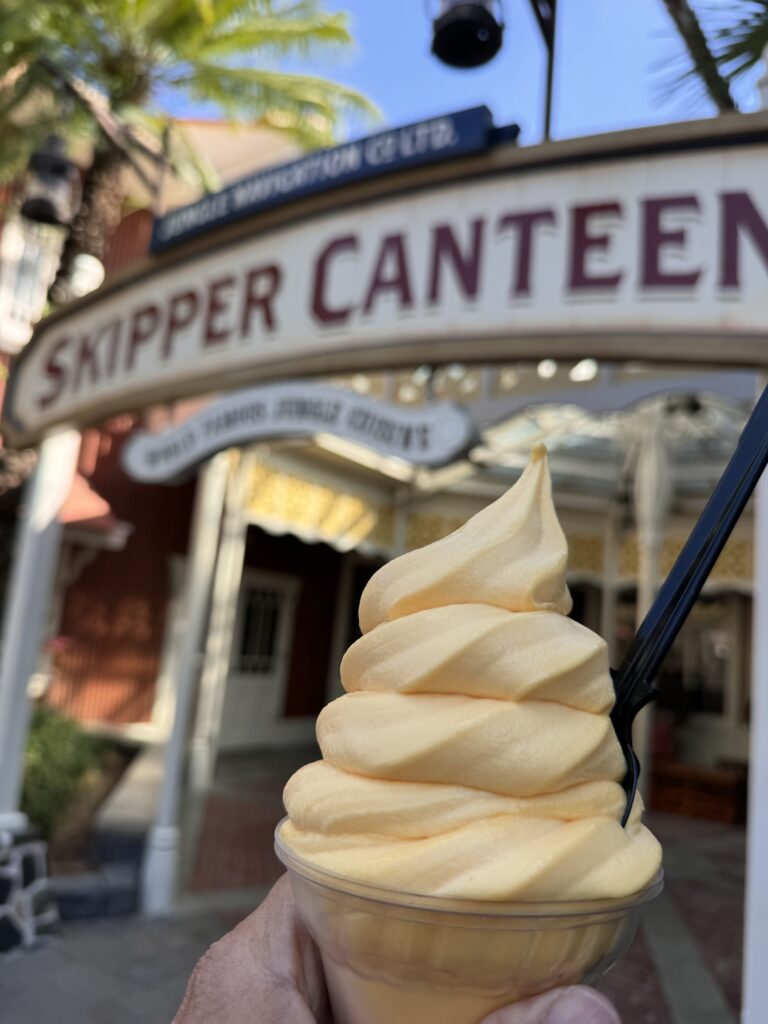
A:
[59,756]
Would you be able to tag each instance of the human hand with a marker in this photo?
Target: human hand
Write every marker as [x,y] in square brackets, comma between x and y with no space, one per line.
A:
[269,969]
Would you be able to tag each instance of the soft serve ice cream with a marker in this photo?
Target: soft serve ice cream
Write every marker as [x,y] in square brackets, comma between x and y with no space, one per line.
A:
[459,846]
[473,755]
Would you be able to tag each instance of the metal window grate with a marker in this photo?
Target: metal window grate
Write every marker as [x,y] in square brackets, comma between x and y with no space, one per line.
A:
[257,651]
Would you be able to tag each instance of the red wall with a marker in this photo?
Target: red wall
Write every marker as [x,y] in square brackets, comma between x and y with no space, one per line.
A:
[114,615]
[130,242]
[113,618]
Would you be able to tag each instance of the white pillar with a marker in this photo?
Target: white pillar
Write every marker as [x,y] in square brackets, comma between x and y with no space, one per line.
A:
[218,647]
[610,578]
[161,857]
[652,496]
[754,998]
[755,994]
[762,82]
[27,601]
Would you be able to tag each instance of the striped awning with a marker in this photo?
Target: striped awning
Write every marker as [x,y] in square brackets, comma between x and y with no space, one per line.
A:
[318,509]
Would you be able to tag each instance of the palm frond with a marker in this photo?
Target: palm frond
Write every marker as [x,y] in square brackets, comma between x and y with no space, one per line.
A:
[703,60]
[311,131]
[125,52]
[741,45]
[188,164]
[21,139]
[278,34]
[206,10]
[176,26]
[737,32]
[252,86]
[15,91]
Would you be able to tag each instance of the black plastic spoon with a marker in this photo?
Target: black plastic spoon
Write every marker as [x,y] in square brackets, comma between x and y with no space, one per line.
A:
[633,680]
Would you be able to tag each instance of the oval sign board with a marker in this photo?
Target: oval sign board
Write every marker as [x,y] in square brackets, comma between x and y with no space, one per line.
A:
[429,436]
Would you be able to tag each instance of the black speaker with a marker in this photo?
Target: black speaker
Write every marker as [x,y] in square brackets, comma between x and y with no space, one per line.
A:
[467,35]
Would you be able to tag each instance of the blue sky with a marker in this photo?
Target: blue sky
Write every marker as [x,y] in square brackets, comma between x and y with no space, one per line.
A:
[616,67]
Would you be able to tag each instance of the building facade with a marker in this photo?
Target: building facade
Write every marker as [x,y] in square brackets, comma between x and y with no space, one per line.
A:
[592,306]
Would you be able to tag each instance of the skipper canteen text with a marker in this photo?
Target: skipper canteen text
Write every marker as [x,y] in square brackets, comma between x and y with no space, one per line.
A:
[240,303]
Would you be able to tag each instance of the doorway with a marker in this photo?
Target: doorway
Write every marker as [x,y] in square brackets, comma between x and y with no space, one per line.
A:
[254,703]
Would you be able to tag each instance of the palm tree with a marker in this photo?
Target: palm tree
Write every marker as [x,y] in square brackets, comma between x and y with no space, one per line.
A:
[106,71]
[741,36]
[705,63]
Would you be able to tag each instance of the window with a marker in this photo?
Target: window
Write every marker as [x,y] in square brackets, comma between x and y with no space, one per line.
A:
[257,650]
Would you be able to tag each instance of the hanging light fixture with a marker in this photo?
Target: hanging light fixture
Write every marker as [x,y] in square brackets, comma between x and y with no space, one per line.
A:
[467,35]
[49,187]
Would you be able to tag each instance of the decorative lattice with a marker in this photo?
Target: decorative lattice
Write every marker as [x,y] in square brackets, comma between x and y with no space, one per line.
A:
[424,529]
[628,558]
[314,511]
[26,904]
[734,564]
[585,554]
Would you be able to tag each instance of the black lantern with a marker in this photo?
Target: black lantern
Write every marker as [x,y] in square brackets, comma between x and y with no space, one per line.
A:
[50,185]
[467,35]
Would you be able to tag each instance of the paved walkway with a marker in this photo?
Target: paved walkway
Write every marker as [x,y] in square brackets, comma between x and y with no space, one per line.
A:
[230,838]
[119,971]
[684,967]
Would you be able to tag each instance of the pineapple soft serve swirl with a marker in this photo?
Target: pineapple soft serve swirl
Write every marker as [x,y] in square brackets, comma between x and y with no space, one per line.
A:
[473,754]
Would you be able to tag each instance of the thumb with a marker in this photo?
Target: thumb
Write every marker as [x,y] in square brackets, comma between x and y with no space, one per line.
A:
[577,1005]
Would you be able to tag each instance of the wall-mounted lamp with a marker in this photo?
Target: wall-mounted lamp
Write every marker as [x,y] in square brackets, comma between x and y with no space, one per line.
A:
[49,187]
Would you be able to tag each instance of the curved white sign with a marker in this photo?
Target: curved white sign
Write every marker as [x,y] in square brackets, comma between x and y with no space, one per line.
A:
[429,436]
[657,256]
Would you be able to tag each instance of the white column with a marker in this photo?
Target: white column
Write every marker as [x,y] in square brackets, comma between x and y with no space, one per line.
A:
[754,998]
[161,858]
[164,705]
[218,647]
[755,994]
[762,82]
[27,601]
[652,496]
[610,577]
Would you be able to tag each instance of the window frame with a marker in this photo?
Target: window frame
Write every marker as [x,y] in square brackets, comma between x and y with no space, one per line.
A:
[287,587]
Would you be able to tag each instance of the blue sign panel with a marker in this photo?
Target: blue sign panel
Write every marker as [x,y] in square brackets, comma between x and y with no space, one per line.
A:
[468,131]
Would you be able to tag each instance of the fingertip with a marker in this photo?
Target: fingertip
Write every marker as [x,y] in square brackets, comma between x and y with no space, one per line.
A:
[576,1005]
[530,1011]
[582,1005]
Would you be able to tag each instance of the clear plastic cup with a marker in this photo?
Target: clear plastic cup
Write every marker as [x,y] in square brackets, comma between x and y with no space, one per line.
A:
[401,958]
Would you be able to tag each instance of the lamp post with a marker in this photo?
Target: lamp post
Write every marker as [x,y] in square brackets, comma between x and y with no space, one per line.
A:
[50,191]
[469,34]
[545,12]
